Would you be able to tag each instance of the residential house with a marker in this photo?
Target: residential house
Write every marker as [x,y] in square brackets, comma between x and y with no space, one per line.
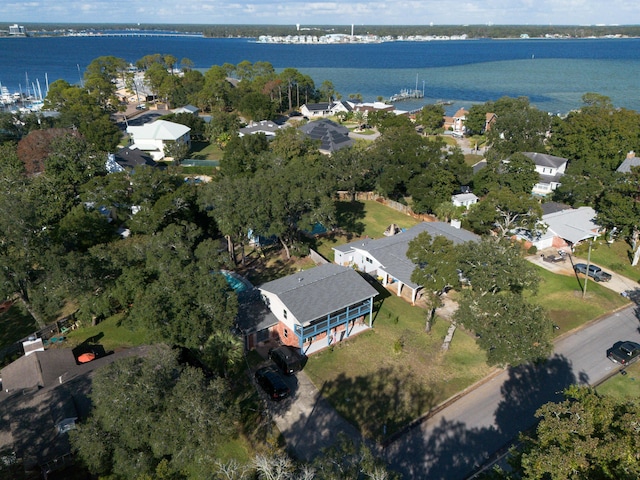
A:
[386,258]
[315,110]
[455,123]
[318,307]
[193,110]
[267,127]
[565,228]
[128,159]
[489,120]
[332,136]
[153,137]
[630,161]
[465,199]
[550,168]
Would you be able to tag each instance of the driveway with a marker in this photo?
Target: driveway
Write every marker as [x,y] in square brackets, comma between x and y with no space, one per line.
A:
[618,283]
[307,421]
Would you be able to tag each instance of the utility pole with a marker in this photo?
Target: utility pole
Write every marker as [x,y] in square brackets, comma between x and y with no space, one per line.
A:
[586,277]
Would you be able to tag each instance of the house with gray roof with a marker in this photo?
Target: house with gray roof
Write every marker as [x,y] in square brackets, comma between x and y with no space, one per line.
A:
[386,258]
[565,228]
[630,161]
[267,127]
[550,168]
[319,306]
[332,137]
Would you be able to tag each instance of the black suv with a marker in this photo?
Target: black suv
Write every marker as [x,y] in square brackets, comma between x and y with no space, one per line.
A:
[286,360]
[272,383]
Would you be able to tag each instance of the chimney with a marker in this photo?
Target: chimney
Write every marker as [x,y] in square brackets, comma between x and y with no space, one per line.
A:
[631,154]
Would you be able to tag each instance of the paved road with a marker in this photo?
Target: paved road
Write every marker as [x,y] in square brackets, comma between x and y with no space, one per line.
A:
[454,442]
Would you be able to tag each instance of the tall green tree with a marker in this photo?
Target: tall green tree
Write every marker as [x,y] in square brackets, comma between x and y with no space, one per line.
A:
[436,268]
[511,329]
[431,117]
[143,417]
[588,435]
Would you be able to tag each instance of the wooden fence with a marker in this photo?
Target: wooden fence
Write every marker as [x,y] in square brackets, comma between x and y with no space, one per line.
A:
[372,196]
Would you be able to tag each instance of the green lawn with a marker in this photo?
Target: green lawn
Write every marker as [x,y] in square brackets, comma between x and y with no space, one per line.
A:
[205,151]
[615,257]
[623,387]
[362,219]
[108,333]
[395,372]
[561,295]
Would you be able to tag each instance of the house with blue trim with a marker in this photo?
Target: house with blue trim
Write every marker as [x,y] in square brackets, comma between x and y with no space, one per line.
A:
[319,307]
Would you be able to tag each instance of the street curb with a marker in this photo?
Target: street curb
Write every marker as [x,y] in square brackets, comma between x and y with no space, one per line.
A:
[441,406]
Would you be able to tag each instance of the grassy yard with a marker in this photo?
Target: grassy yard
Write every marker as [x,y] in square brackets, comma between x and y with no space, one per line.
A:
[395,372]
[362,219]
[205,151]
[108,333]
[561,296]
[615,257]
[623,387]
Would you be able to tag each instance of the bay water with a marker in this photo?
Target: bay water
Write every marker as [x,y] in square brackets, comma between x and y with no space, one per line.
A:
[552,73]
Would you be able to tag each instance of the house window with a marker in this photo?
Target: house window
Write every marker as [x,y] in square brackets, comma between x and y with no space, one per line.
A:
[286,333]
[368,260]
[285,313]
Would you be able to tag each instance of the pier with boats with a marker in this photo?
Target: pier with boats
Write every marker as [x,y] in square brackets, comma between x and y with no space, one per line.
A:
[407,93]
[31,101]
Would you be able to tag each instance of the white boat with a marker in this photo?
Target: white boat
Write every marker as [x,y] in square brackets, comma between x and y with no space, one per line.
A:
[5,96]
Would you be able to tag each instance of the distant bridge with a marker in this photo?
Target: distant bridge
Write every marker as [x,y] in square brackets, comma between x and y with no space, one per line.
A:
[135,34]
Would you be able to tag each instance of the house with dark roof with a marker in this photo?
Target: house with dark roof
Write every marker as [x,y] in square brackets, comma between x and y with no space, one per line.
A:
[386,258]
[315,110]
[332,137]
[550,168]
[128,159]
[318,307]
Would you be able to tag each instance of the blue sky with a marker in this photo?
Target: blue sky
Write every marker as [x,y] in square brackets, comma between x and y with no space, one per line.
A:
[323,12]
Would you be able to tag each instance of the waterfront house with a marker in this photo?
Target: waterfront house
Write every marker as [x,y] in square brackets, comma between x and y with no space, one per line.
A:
[319,307]
[386,258]
[153,137]
[316,110]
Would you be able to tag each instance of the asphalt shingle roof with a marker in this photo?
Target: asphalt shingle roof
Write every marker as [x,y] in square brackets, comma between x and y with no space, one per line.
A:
[331,135]
[319,291]
[391,252]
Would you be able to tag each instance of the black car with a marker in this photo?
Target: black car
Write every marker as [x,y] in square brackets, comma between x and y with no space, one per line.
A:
[286,359]
[624,353]
[271,382]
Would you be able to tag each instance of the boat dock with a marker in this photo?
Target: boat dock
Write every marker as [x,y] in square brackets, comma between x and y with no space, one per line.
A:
[406,95]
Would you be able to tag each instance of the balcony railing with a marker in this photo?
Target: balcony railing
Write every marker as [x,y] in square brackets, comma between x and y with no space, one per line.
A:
[333,320]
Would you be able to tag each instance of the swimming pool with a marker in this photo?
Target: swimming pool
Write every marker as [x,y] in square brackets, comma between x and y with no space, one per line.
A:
[237,282]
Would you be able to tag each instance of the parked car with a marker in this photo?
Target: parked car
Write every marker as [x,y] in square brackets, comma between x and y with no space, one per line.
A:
[272,382]
[624,353]
[286,359]
[595,272]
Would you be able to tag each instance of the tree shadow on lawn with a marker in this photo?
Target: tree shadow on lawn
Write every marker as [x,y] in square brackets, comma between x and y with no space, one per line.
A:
[450,449]
[350,216]
[380,403]
[15,323]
